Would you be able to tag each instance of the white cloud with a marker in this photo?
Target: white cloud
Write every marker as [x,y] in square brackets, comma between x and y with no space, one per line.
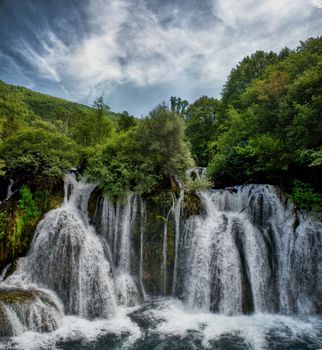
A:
[317,3]
[128,43]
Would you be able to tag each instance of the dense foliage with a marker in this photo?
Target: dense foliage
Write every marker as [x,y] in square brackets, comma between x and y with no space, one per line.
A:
[42,137]
[144,157]
[273,127]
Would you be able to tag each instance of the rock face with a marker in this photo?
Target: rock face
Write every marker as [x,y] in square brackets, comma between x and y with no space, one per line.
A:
[28,310]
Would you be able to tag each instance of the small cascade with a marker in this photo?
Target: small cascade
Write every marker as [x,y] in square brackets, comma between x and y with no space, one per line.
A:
[164,269]
[68,257]
[249,252]
[4,272]
[9,190]
[196,173]
[128,218]
[117,224]
[177,208]
[28,310]
[142,225]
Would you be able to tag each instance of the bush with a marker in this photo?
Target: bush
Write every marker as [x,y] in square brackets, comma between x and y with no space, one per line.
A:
[304,196]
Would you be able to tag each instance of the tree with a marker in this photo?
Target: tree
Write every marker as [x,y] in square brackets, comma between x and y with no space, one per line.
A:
[250,68]
[148,155]
[39,156]
[102,123]
[164,140]
[203,119]
[177,105]
[125,121]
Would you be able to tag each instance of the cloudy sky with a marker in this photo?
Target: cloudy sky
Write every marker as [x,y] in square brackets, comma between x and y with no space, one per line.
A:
[138,53]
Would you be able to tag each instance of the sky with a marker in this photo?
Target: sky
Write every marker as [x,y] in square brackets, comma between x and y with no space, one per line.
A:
[138,53]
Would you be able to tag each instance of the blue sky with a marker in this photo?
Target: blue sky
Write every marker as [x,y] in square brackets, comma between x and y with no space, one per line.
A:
[138,53]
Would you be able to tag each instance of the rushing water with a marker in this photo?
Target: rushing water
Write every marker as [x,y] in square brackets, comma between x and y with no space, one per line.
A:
[168,324]
[250,252]
[247,274]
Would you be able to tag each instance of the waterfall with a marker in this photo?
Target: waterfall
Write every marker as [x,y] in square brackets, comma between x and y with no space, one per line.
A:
[249,252]
[9,190]
[4,272]
[177,208]
[196,173]
[126,287]
[67,256]
[10,193]
[28,310]
[129,214]
[117,224]
[142,224]
[164,269]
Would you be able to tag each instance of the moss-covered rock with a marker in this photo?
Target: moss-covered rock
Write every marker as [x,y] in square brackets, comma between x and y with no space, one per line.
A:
[18,222]
[22,310]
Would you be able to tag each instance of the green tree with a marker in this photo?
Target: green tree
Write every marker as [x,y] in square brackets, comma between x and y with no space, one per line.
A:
[177,105]
[203,120]
[163,139]
[39,156]
[102,124]
[250,68]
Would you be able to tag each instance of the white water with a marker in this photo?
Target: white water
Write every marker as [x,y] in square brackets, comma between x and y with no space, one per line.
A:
[9,190]
[67,256]
[254,331]
[142,228]
[73,329]
[177,208]
[28,309]
[164,266]
[4,272]
[117,225]
[245,253]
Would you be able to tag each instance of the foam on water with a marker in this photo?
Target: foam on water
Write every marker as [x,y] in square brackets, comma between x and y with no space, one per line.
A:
[159,320]
[78,329]
[175,319]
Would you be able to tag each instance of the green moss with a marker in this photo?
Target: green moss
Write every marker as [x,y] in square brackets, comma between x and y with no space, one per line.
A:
[14,296]
[191,205]
[304,196]
[19,219]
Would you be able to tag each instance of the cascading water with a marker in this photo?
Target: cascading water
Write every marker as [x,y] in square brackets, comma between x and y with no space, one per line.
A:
[28,310]
[67,257]
[9,190]
[142,224]
[9,193]
[177,208]
[4,272]
[117,225]
[164,266]
[249,253]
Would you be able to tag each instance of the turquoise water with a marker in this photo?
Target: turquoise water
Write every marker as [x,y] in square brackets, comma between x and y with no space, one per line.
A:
[163,324]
